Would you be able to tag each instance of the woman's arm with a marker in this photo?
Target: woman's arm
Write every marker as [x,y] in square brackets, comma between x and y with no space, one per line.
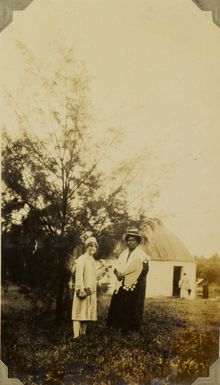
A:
[79,284]
[132,273]
[119,265]
[101,271]
[135,266]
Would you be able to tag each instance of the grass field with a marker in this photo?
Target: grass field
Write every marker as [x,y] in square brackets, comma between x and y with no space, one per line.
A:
[178,342]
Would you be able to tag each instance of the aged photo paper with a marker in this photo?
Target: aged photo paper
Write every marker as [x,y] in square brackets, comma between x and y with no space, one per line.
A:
[110,257]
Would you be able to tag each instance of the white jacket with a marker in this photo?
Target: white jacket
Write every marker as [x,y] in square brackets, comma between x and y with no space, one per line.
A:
[130,267]
[86,273]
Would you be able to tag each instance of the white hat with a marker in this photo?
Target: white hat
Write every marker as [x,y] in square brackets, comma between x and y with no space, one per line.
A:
[91,240]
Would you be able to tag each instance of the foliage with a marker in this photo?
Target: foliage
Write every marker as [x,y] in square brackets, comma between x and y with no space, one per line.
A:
[55,191]
[209,269]
[177,343]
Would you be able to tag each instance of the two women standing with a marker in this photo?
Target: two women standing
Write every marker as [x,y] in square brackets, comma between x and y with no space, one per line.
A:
[127,303]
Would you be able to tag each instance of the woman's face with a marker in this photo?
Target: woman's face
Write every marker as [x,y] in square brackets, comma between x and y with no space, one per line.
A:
[132,242]
[91,248]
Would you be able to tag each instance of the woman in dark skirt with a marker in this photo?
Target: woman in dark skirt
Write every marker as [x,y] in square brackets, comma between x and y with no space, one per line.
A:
[127,303]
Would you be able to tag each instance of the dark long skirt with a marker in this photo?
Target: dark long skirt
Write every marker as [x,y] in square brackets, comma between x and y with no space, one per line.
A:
[127,307]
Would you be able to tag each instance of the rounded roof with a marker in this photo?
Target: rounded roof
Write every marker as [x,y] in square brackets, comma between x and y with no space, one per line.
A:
[162,244]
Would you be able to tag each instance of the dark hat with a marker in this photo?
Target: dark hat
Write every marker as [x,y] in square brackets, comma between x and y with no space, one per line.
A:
[133,233]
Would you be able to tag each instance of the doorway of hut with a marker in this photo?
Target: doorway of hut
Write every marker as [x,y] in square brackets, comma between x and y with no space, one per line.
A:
[176,277]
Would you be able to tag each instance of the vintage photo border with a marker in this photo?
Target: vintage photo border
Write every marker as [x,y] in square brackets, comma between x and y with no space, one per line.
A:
[7,7]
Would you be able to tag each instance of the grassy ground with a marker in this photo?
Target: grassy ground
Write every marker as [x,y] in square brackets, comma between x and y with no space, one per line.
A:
[178,342]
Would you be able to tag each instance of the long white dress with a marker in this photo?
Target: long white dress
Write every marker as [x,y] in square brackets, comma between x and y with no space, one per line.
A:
[86,277]
[184,287]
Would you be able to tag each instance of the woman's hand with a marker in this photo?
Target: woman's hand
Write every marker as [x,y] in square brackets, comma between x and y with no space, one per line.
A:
[81,294]
[119,275]
[88,291]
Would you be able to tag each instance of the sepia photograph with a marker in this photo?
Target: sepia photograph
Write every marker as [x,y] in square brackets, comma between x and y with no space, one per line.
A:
[110,214]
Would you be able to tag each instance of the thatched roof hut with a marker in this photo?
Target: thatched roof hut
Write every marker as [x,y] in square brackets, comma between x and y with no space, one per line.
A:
[163,245]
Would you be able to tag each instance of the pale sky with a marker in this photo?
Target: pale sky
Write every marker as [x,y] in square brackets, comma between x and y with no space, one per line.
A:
[154,70]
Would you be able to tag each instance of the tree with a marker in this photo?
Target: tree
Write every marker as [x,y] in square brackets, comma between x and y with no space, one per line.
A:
[209,269]
[54,189]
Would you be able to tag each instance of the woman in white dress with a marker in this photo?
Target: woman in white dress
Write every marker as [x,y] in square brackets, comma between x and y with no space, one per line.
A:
[84,307]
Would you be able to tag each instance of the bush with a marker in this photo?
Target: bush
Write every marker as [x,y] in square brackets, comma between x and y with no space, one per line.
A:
[178,341]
